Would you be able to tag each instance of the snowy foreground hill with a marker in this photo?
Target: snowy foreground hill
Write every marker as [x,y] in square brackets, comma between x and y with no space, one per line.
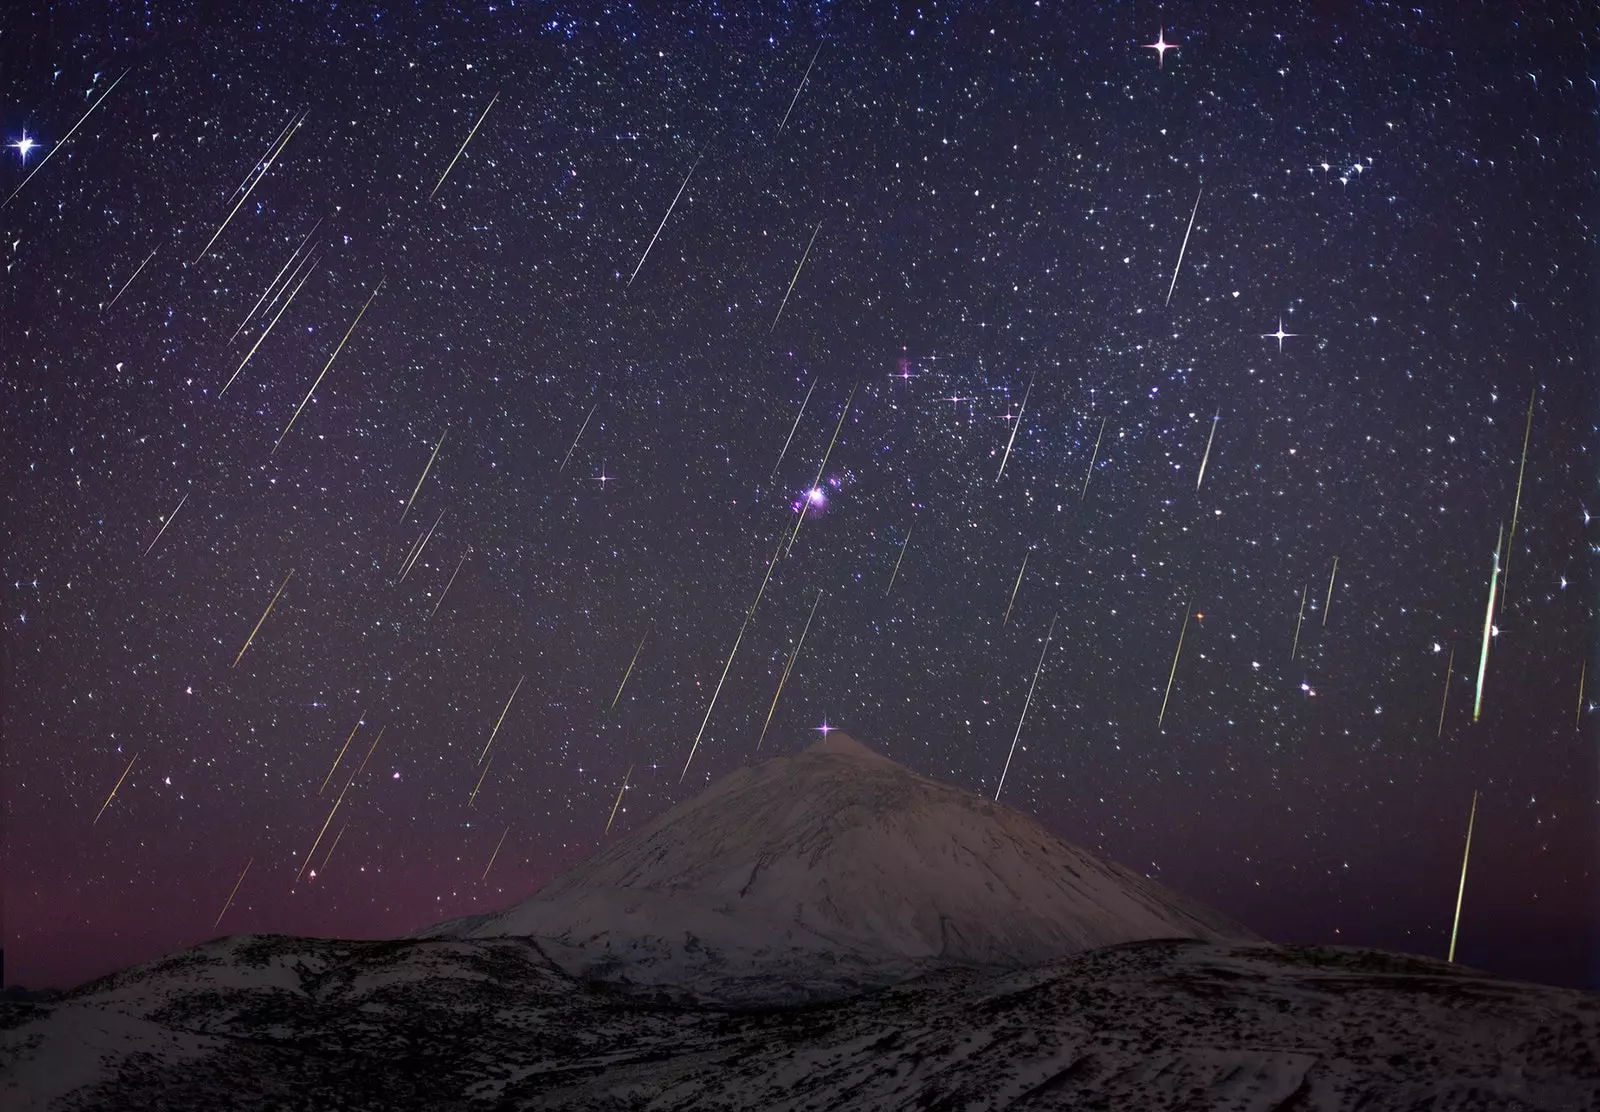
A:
[822,931]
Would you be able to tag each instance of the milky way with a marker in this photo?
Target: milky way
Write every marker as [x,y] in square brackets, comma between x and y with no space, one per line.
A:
[1326,257]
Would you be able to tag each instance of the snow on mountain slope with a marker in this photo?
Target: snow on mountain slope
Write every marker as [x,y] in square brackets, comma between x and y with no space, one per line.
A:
[833,870]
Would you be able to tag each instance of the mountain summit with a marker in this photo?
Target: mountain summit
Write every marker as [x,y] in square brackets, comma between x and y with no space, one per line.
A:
[832,870]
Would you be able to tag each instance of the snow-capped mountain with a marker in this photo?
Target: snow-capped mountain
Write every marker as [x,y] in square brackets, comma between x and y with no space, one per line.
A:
[821,873]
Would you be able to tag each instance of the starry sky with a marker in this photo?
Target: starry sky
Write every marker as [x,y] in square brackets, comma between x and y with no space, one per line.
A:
[994,281]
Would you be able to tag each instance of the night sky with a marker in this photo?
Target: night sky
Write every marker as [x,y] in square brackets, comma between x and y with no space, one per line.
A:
[1391,251]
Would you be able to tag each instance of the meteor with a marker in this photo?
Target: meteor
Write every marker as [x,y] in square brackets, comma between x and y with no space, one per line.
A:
[1015,425]
[1299,621]
[1527,430]
[167,522]
[63,141]
[1207,456]
[371,749]
[273,323]
[789,667]
[326,857]
[1015,585]
[501,719]
[618,803]
[805,503]
[1583,674]
[792,428]
[464,143]
[665,218]
[495,854]
[896,570]
[129,282]
[1449,670]
[1462,889]
[417,555]
[114,790]
[333,811]
[479,784]
[359,719]
[1029,702]
[796,277]
[1185,246]
[1488,626]
[629,672]
[234,893]
[425,471]
[1181,631]
[797,88]
[1329,604]
[260,172]
[1094,456]
[331,358]
[452,582]
[264,613]
[274,283]
[577,438]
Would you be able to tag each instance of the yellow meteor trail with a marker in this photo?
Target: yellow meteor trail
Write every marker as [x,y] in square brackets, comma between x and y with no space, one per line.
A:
[796,277]
[464,143]
[63,142]
[417,555]
[1015,586]
[1185,246]
[501,719]
[665,218]
[114,790]
[629,672]
[274,283]
[792,428]
[326,857]
[1449,670]
[805,502]
[1299,621]
[234,893]
[1516,505]
[896,570]
[371,749]
[273,323]
[351,737]
[129,282]
[1029,702]
[618,803]
[1329,604]
[1096,455]
[1461,891]
[452,582]
[1015,425]
[333,811]
[1181,631]
[1207,456]
[789,667]
[329,363]
[259,174]
[264,614]
[495,854]
[1583,674]
[1488,626]
[424,477]
[167,522]
[577,438]
[479,784]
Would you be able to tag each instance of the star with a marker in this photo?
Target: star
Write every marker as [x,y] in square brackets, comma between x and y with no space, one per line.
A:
[825,729]
[1161,46]
[1280,335]
[23,146]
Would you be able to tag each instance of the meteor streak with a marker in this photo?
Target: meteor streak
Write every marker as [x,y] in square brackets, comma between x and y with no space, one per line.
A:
[167,522]
[664,219]
[359,718]
[1029,702]
[333,811]
[1462,889]
[577,438]
[1185,246]
[274,283]
[452,582]
[796,277]
[789,667]
[495,854]
[1016,585]
[63,141]
[1488,626]
[1181,631]
[1015,425]
[1527,429]
[326,857]
[371,749]
[479,784]
[331,358]
[1449,670]
[501,719]
[1329,604]
[234,893]
[264,613]
[114,790]
[418,554]
[464,143]
[618,803]
[805,503]
[260,171]
[1583,674]
[896,571]
[270,324]
[425,471]
[629,672]
[1299,621]
[129,282]
[792,428]
[1207,456]
[797,88]
[1094,456]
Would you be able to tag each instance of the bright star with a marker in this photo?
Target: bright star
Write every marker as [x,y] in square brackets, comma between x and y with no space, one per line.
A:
[1161,46]
[23,146]
[1280,335]
[826,729]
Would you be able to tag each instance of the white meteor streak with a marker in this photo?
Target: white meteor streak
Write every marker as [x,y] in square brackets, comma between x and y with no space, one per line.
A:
[1185,246]
[1029,702]
[577,438]
[274,283]
[896,572]
[1205,458]
[271,324]
[272,157]
[331,358]
[129,282]
[1015,425]
[794,99]
[1016,585]
[425,471]
[792,429]
[464,143]
[63,142]
[1472,817]
[1488,626]
[796,277]
[164,524]
[1089,474]
[664,219]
